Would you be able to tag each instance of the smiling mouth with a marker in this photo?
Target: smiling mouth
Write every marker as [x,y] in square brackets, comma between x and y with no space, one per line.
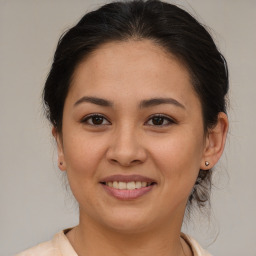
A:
[128,187]
[131,185]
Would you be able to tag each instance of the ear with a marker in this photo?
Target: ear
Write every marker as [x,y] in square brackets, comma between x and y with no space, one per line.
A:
[61,159]
[215,142]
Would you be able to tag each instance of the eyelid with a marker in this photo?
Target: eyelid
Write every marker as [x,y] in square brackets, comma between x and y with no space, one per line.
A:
[87,117]
[168,118]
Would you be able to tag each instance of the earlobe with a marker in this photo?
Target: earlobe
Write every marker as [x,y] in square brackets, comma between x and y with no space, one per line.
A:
[215,142]
[61,159]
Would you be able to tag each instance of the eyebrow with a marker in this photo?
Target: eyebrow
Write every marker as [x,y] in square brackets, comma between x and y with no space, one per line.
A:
[94,100]
[158,101]
[143,104]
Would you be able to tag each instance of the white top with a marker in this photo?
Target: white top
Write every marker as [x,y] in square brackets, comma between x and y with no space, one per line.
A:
[60,246]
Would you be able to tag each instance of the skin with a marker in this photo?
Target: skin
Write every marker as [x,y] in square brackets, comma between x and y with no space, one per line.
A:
[128,142]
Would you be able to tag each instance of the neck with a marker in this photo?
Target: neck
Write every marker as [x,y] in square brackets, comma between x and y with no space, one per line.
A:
[161,240]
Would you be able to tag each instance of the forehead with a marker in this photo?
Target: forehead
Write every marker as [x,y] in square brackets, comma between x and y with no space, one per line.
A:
[138,68]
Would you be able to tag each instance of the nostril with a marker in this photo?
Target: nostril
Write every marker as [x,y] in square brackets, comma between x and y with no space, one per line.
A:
[126,153]
[114,160]
[123,162]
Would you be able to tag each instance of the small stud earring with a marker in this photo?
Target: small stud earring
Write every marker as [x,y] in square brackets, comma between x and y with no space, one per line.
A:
[207,163]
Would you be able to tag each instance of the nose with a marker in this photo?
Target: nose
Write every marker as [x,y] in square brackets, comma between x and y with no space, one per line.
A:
[126,149]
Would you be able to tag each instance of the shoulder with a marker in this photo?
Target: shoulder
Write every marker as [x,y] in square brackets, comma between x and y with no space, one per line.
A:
[42,249]
[58,246]
[196,248]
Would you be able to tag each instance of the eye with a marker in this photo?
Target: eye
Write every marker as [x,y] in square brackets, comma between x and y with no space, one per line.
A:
[95,120]
[160,120]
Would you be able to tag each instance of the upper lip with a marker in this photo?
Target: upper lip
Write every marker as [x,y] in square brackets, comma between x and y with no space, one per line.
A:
[127,178]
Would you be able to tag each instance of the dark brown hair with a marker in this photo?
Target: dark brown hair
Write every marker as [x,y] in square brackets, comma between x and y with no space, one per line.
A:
[168,26]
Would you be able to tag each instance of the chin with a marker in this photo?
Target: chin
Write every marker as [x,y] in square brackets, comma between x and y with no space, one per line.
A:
[128,222]
[129,227]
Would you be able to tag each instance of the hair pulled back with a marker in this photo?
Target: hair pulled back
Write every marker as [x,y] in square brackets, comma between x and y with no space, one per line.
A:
[166,25]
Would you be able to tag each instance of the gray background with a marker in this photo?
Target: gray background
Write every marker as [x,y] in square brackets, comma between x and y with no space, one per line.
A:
[33,201]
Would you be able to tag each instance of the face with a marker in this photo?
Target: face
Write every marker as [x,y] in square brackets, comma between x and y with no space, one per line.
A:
[132,140]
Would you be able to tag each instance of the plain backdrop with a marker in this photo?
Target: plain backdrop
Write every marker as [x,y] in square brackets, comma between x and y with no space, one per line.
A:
[34,204]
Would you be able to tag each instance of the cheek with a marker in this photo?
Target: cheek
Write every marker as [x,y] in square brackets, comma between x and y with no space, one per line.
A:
[82,154]
[178,159]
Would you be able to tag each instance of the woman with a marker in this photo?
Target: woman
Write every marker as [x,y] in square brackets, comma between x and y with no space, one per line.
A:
[136,96]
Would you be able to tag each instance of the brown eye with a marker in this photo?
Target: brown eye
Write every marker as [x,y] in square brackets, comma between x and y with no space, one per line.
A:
[157,120]
[160,120]
[96,120]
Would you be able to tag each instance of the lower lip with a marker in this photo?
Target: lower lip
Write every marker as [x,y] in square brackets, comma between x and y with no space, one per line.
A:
[126,194]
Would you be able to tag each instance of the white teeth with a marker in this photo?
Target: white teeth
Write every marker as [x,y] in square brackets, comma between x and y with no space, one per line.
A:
[122,185]
[115,184]
[131,185]
[110,184]
[143,184]
[138,184]
[128,185]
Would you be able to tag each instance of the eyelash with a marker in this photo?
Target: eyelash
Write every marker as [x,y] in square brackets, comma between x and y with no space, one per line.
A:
[86,118]
[165,118]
